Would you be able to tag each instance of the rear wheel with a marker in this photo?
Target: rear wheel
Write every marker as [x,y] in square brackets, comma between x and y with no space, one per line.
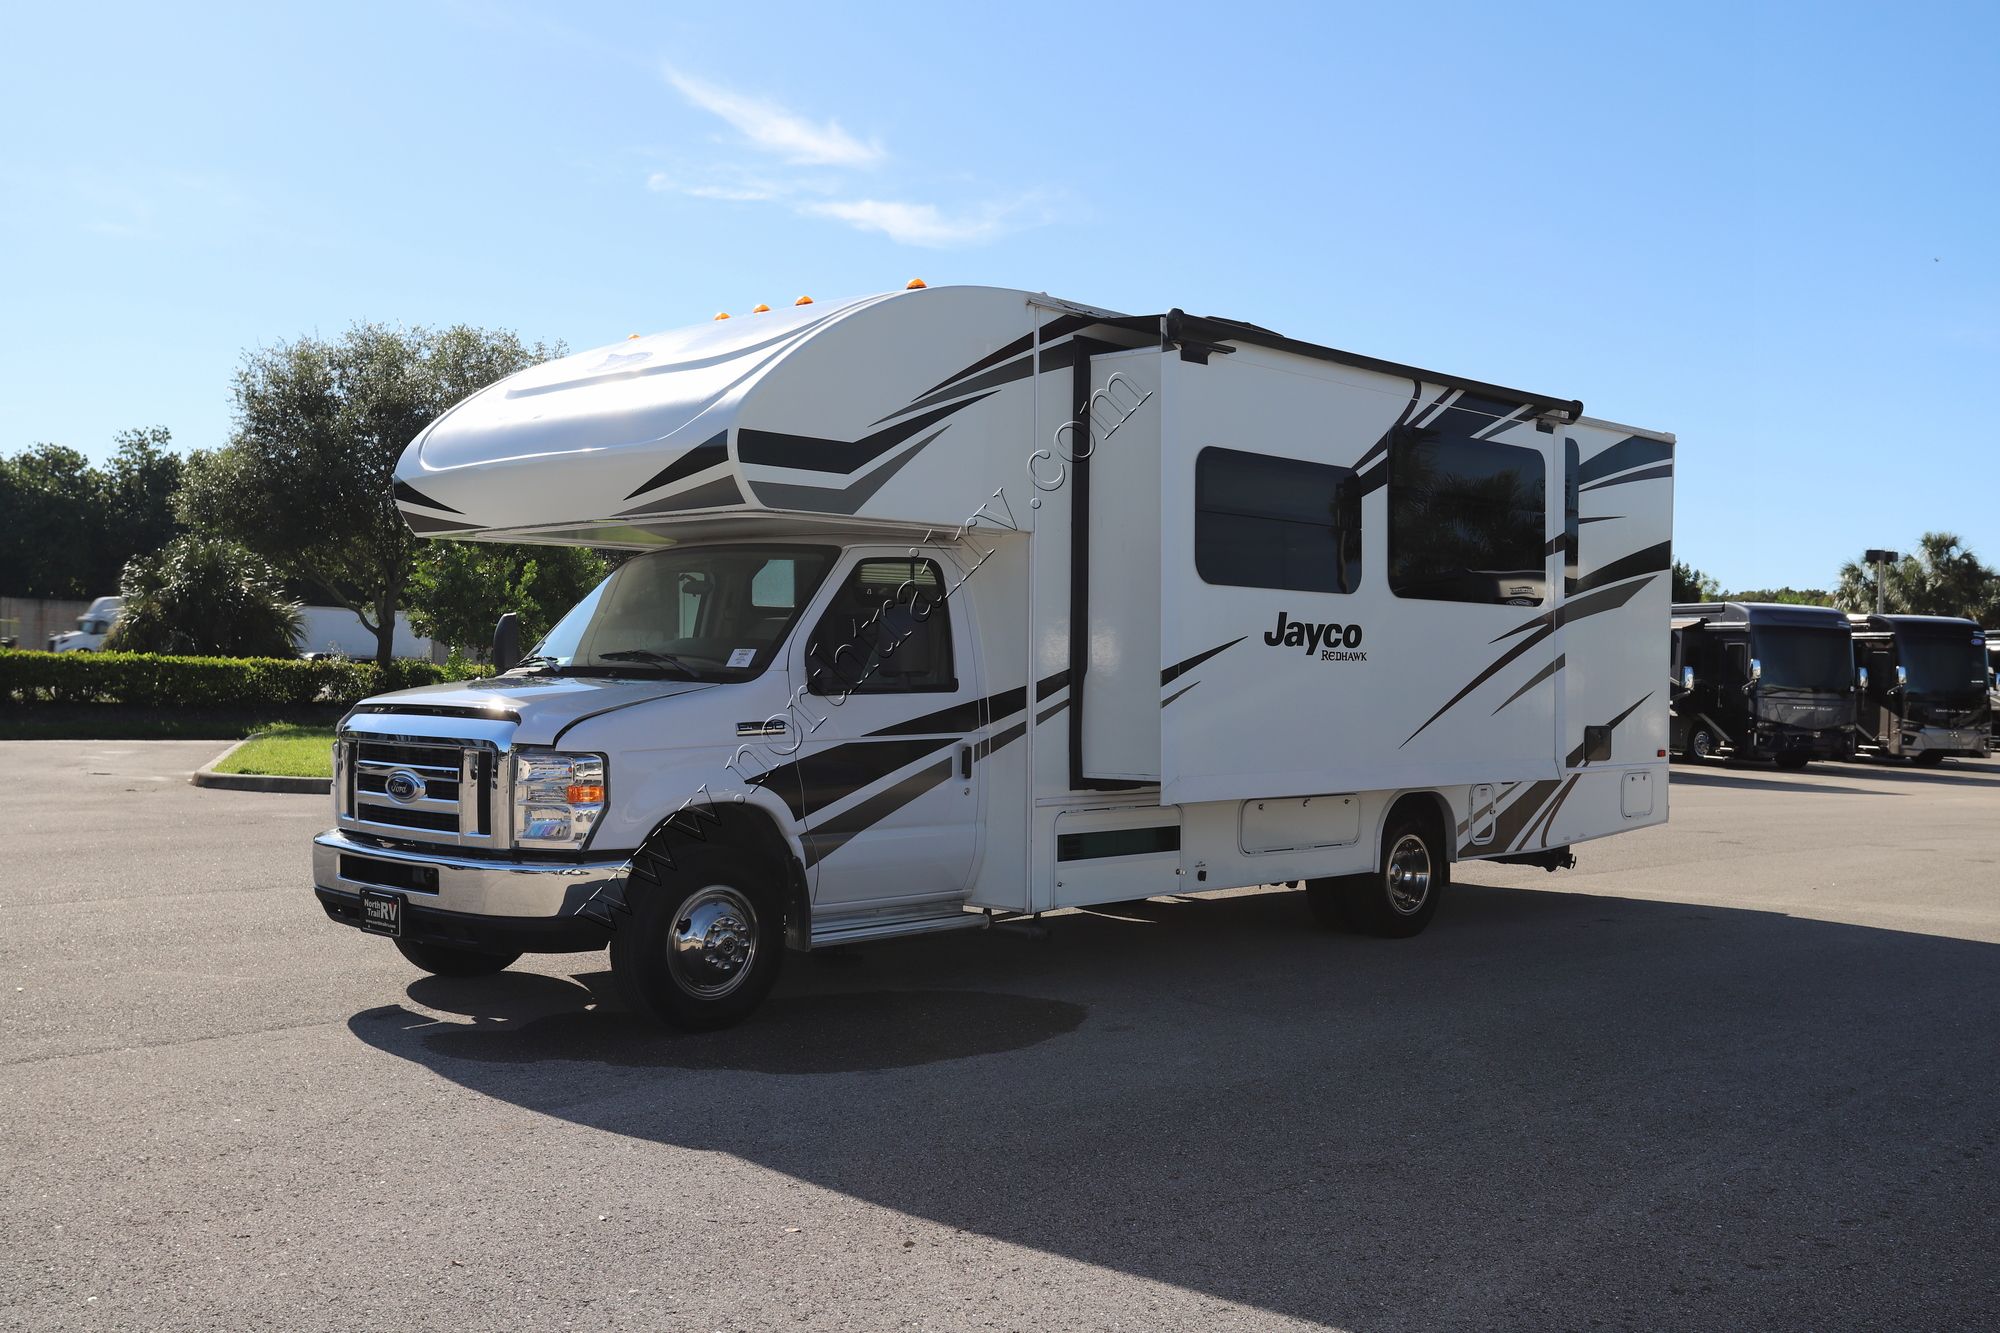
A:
[1398,898]
[704,940]
[442,960]
[1701,744]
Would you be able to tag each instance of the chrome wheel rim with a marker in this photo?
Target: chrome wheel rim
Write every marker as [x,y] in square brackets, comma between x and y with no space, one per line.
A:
[1408,875]
[1701,745]
[713,942]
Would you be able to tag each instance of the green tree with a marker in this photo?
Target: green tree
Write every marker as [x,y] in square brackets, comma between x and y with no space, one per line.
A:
[67,528]
[1790,595]
[1691,585]
[138,487]
[305,480]
[459,589]
[1940,578]
[204,596]
[51,512]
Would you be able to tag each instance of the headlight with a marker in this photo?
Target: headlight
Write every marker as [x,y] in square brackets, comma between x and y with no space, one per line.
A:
[558,798]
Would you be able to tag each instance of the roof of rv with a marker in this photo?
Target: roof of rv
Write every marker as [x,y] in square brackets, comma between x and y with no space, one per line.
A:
[810,409]
[1759,613]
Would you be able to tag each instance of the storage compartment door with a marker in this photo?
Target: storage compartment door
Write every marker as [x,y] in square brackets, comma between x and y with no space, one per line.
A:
[1121,683]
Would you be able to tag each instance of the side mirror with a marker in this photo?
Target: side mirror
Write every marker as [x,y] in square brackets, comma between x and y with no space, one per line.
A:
[1861,677]
[507,643]
[1756,669]
[1687,678]
[1902,677]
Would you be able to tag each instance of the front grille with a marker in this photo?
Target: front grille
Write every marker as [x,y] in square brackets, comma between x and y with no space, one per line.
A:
[427,791]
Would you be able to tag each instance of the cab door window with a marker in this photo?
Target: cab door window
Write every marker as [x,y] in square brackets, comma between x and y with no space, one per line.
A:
[887,631]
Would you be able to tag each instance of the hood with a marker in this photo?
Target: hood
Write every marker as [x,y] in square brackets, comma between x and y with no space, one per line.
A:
[545,705]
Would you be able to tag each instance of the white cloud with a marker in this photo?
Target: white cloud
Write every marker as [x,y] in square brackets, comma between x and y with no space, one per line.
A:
[912,224]
[774,129]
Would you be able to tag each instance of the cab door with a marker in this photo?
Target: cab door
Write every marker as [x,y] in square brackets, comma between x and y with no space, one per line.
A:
[890,791]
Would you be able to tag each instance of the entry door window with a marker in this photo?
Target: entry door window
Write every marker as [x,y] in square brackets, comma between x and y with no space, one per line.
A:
[887,631]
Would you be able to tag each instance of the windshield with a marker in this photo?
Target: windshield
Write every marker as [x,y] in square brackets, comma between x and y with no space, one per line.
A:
[1805,659]
[1940,664]
[703,613]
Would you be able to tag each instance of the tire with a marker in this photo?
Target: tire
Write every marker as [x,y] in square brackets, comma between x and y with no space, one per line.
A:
[1386,902]
[704,941]
[1928,759]
[442,960]
[1701,745]
[1793,761]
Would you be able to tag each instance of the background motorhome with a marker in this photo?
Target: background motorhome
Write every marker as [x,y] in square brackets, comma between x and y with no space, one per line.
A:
[91,628]
[1928,691]
[1759,680]
[966,598]
[1993,682]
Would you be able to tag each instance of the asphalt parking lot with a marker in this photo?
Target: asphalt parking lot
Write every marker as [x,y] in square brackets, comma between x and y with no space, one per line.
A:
[1735,1072]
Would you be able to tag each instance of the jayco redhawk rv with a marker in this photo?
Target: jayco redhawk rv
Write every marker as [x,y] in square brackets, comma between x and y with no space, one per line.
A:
[964,604]
[1762,680]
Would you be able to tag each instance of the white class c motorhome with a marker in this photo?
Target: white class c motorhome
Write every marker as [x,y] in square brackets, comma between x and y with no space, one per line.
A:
[964,604]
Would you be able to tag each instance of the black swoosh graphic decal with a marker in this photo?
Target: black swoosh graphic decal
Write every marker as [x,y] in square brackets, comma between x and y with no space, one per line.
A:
[1182,668]
[1533,681]
[813,453]
[1630,452]
[411,495]
[1663,470]
[1576,759]
[700,458]
[1649,561]
[831,836]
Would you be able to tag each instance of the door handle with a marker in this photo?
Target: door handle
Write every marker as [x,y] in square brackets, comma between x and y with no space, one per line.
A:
[965,762]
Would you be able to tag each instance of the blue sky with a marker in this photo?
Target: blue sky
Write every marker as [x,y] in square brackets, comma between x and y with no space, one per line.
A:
[1770,229]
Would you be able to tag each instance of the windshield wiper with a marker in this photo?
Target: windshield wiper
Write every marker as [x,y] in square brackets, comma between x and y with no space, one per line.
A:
[542,660]
[651,658]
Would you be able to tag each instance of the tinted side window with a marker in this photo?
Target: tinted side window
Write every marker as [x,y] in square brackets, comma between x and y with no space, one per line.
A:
[887,631]
[1467,521]
[1267,522]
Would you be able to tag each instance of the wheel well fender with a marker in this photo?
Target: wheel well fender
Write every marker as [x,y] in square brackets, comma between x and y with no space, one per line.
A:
[1432,806]
[747,830]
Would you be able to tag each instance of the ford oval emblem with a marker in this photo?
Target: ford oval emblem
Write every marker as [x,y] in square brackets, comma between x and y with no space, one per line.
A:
[403,786]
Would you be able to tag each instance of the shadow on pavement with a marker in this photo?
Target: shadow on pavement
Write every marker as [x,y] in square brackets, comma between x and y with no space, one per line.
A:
[1752,780]
[1552,1109]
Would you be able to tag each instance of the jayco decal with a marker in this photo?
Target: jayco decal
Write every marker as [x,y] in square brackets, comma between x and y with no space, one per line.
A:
[1333,643]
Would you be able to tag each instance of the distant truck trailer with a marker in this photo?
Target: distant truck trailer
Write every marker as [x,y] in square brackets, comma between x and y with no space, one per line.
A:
[323,631]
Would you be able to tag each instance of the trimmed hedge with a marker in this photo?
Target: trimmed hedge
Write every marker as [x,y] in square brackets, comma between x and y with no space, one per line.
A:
[150,680]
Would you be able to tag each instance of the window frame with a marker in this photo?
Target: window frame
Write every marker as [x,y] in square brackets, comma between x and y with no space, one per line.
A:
[1345,490]
[816,675]
[1407,438]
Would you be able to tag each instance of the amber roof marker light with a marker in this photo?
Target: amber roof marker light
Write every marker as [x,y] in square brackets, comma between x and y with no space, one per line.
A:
[914,285]
[803,300]
[722,314]
[759,309]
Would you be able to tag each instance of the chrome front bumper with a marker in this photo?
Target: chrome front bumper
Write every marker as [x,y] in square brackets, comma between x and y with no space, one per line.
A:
[473,886]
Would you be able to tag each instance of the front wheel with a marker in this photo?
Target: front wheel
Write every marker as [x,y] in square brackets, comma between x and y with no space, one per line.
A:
[1398,898]
[1701,744]
[703,943]
[442,960]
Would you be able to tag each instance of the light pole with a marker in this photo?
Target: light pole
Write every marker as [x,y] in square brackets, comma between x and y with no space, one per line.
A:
[1881,560]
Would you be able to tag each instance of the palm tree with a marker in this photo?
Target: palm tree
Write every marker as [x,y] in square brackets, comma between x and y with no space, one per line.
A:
[1941,578]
